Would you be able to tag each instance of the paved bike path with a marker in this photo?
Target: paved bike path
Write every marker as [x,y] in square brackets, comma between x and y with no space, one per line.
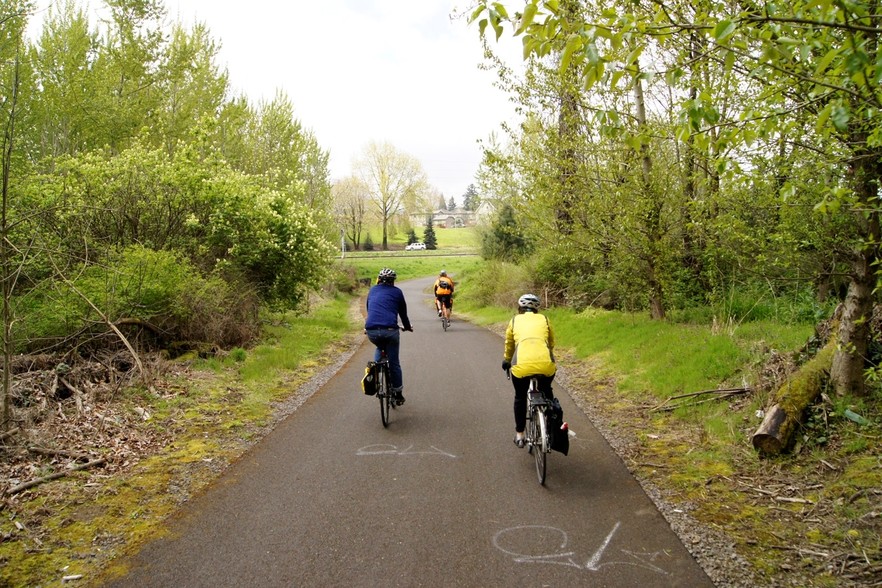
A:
[440,497]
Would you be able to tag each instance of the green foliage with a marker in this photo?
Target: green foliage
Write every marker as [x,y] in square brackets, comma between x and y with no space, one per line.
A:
[133,140]
[411,237]
[157,295]
[504,241]
[493,283]
[572,279]
[365,269]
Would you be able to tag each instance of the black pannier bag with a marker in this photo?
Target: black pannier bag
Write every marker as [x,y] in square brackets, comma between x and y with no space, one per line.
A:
[560,439]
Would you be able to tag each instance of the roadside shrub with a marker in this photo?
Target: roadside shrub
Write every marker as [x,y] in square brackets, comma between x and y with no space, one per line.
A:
[572,280]
[154,297]
[342,278]
[497,283]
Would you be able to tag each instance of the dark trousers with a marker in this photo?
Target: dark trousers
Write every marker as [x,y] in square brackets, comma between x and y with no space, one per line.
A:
[521,385]
[389,341]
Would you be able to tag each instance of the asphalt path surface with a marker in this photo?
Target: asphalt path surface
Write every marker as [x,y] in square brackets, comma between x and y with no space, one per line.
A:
[442,497]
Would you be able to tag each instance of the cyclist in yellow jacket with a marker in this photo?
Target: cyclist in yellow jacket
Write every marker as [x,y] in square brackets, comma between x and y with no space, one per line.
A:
[443,289]
[529,351]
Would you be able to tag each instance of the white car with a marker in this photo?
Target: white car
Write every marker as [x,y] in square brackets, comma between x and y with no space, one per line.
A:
[415,247]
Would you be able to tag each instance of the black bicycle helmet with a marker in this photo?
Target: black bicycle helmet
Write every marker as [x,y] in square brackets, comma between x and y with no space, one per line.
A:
[386,276]
[529,302]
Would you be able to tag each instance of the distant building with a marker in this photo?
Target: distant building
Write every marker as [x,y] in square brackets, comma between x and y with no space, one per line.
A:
[446,219]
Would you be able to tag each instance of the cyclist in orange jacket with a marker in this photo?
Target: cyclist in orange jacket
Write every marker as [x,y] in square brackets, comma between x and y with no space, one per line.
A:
[443,289]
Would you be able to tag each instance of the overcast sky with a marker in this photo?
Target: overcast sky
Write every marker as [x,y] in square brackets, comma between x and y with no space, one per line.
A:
[363,70]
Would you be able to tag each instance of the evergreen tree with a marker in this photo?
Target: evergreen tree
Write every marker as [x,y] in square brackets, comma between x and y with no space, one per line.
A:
[451,205]
[470,198]
[442,204]
[429,235]
[505,240]
[411,237]
[368,243]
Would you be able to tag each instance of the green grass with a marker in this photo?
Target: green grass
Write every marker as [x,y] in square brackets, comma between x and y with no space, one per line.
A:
[657,357]
[463,239]
[292,339]
[412,267]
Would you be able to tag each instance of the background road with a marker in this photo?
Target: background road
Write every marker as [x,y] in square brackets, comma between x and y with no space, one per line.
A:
[441,497]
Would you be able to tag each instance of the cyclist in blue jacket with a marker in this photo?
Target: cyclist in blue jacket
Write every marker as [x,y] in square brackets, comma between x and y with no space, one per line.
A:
[385,303]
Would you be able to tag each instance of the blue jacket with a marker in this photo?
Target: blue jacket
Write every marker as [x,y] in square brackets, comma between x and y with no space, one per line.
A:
[385,303]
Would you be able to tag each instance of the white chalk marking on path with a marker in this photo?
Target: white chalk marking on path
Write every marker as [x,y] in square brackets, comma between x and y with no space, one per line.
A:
[384,449]
[565,558]
[595,559]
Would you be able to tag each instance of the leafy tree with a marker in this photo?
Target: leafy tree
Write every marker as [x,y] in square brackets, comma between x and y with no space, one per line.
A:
[350,202]
[67,118]
[280,150]
[825,83]
[429,234]
[126,68]
[391,178]
[368,242]
[192,87]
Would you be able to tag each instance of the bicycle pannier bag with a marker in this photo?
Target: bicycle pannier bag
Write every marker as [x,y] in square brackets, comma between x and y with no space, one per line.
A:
[369,381]
[560,439]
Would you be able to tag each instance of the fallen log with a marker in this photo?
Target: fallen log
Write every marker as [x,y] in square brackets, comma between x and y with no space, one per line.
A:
[797,393]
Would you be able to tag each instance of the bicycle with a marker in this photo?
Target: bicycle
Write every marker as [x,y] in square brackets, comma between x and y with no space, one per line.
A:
[443,313]
[384,387]
[383,379]
[537,435]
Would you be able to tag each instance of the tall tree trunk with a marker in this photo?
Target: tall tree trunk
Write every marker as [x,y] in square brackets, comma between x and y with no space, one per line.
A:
[692,257]
[6,271]
[568,132]
[653,215]
[847,372]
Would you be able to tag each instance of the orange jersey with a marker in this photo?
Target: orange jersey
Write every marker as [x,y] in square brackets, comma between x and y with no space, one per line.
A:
[441,290]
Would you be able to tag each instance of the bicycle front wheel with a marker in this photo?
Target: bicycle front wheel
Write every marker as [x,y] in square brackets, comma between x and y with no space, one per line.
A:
[540,440]
[384,394]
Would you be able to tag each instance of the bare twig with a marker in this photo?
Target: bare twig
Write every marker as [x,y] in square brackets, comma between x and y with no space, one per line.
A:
[717,394]
[78,396]
[793,500]
[58,452]
[103,316]
[54,476]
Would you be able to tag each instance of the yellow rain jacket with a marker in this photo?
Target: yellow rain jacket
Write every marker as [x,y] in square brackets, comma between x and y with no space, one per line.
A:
[529,345]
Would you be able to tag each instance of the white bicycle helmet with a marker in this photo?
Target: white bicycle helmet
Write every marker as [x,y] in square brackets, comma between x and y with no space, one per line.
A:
[387,275]
[529,302]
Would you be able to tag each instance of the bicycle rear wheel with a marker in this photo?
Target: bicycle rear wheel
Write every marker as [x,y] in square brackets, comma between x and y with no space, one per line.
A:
[540,443]
[384,394]
[444,322]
